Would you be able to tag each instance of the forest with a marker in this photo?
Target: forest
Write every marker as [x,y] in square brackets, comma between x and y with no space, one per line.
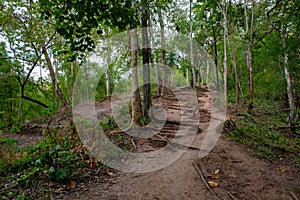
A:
[150,99]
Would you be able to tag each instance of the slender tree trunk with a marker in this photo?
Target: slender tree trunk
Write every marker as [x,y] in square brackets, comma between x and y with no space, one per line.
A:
[71,81]
[20,106]
[146,61]
[107,82]
[207,70]
[108,72]
[249,58]
[289,85]
[187,75]
[246,17]
[52,75]
[87,77]
[236,77]
[250,61]
[224,11]
[193,80]
[136,102]
[216,59]
[153,58]
[55,85]
[200,75]
[163,52]
[171,80]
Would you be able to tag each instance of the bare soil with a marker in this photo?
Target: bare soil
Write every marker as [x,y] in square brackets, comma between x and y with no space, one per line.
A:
[236,171]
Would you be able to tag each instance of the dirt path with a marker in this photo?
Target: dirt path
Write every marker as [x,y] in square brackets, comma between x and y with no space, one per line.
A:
[239,175]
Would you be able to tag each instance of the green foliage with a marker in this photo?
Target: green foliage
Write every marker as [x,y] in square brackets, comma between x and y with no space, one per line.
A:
[109,123]
[8,141]
[57,158]
[261,135]
[80,21]
[144,120]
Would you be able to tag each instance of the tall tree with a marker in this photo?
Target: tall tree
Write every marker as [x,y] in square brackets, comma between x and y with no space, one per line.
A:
[18,30]
[193,81]
[287,27]
[224,10]
[136,102]
[249,58]
[163,52]
[153,57]
[53,76]
[146,58]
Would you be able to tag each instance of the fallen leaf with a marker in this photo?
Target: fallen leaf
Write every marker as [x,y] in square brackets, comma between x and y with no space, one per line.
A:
[72,185]
[213,184]
[110,173]
[282,169]
[216,172]
[281,159]
[215,177]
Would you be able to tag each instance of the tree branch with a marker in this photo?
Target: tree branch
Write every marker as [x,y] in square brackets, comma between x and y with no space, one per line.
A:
[34,101]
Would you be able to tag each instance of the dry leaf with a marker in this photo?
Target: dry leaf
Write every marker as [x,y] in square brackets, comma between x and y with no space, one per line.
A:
[281,159]
[216,172]
[72,185]
[213,184]
[282,169]
[110,173]
[215,177]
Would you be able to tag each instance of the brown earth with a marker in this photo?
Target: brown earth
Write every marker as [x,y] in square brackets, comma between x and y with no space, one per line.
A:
[238,173]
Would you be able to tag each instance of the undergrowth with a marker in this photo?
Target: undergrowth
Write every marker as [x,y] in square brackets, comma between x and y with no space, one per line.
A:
[268,135]
[37,171]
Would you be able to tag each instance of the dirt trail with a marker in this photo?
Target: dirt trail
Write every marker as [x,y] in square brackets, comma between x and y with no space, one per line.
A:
[240,176]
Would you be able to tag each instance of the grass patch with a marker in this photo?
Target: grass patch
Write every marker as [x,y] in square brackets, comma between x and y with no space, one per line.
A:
[260,132]
[32,172]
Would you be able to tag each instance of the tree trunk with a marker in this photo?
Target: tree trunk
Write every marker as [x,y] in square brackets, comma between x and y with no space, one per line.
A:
[246,17]
[146,61]
[136,101]
[71,86]
[20,106]
[224,11]
[108,72]
[216,59]
[200,75]
[236,77]
[153,58]
[163,52]
[250,61]
[187,75]
[289,87]
[207,70]
[193,80]
[52,75]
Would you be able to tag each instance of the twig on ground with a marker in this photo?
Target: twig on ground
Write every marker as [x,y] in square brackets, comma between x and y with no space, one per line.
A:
[248,116]
[162,139]
[229,193]
[294,196]
[134,145]
[205,182]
